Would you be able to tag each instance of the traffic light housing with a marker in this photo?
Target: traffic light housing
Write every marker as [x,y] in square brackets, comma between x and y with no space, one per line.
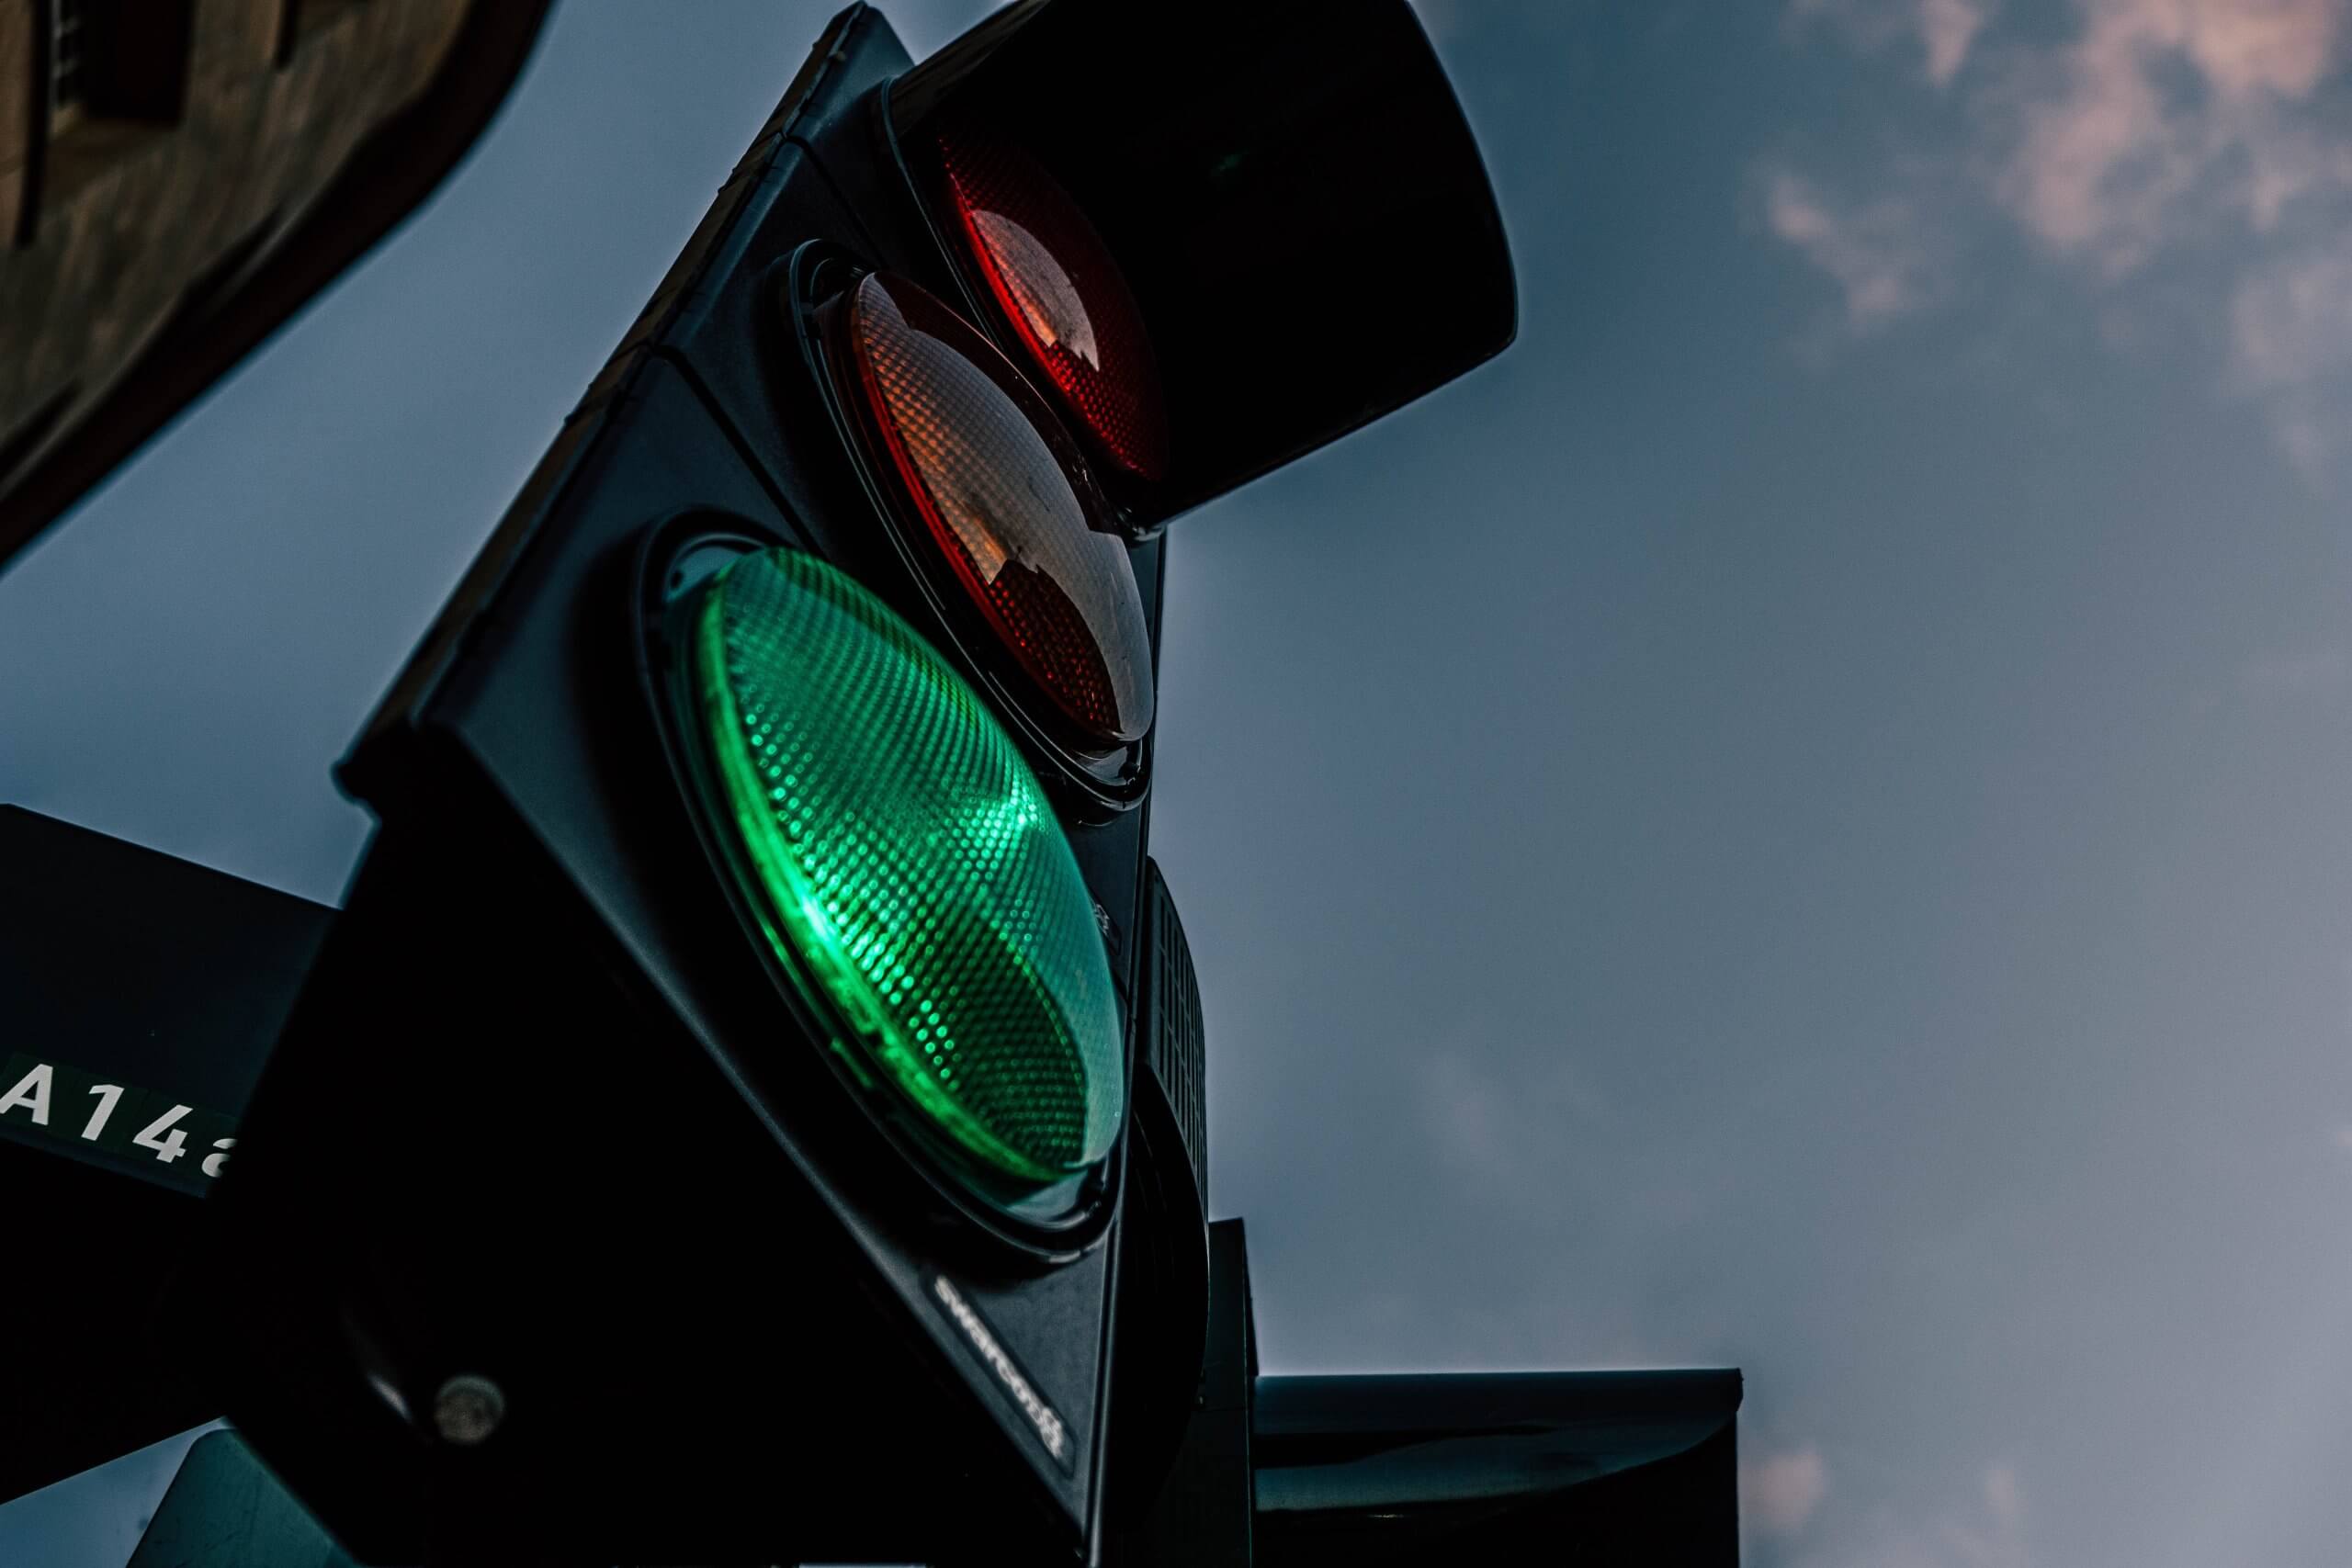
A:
[749,1105]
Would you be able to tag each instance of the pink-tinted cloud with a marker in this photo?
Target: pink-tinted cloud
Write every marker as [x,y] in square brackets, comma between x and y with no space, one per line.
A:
[1778,1492]
[2197,133]
[1944,30]
[1988,1531]
[2106,165]
[2290,342]
[1880,253]
[1997,1540]
[1948,30]
[2290,321]
[2247,46]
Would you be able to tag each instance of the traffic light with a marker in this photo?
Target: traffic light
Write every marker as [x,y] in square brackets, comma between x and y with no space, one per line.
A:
[749,1107]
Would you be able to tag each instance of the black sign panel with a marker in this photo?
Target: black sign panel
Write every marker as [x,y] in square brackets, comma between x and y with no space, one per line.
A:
[226,1510]
[140,1132]
[140,996]
[141,970]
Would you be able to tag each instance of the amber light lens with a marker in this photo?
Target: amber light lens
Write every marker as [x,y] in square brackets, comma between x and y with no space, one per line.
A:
[1055,282]
[989,471]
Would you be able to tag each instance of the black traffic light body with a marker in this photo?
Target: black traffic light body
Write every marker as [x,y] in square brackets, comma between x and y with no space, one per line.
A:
[546,1114]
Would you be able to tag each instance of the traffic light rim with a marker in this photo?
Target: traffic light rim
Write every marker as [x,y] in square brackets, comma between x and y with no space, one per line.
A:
[676,558]
[935,349]
[981,273]
[1101,783]
[973,301]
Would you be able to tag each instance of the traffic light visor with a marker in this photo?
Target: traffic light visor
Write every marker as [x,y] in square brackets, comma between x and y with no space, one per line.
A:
[1003,495]
[906,868]
[1285,192]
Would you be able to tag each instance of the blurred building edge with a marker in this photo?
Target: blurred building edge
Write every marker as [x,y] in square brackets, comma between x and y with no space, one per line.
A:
[179,177]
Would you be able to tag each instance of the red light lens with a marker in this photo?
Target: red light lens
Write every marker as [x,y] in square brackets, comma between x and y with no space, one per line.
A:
[1055,282]
[989,471]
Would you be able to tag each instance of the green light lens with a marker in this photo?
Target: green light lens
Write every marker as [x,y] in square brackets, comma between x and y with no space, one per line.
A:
[907,867]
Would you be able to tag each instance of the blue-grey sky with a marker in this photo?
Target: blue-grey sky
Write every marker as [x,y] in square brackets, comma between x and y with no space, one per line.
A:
[1795,819]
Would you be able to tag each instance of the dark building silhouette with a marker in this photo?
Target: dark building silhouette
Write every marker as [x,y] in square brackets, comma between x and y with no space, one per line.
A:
[177,176]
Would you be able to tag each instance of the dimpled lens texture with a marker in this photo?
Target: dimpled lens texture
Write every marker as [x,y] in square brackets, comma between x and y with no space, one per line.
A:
[907,866]
[994,493]
[1064,298]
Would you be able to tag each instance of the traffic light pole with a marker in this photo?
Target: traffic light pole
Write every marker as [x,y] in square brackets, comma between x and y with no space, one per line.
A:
[1204,1513]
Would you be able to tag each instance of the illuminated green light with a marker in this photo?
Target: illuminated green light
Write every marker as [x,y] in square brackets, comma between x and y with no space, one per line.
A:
[907,867]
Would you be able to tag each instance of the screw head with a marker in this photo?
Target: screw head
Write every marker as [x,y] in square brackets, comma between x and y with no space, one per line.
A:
[468,1410]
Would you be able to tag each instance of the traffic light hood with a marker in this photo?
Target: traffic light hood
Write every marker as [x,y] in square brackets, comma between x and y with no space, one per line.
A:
[1278,185]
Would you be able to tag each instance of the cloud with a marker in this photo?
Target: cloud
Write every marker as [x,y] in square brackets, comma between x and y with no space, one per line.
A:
[1948,27]
[2194,143]
[1469,1118]
[1778,1494]
[1989,1532]
[2291,343]
[2290,322]
[1945,30]
[1880,253]
[1997,1541]
[2109,160]
[1495,1131]
[2005,1497]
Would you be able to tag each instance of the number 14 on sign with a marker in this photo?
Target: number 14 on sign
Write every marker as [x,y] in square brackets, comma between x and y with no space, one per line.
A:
[169,1142]
[68,1104]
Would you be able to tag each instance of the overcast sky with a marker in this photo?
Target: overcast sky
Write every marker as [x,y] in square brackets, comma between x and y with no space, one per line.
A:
[1798,819]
